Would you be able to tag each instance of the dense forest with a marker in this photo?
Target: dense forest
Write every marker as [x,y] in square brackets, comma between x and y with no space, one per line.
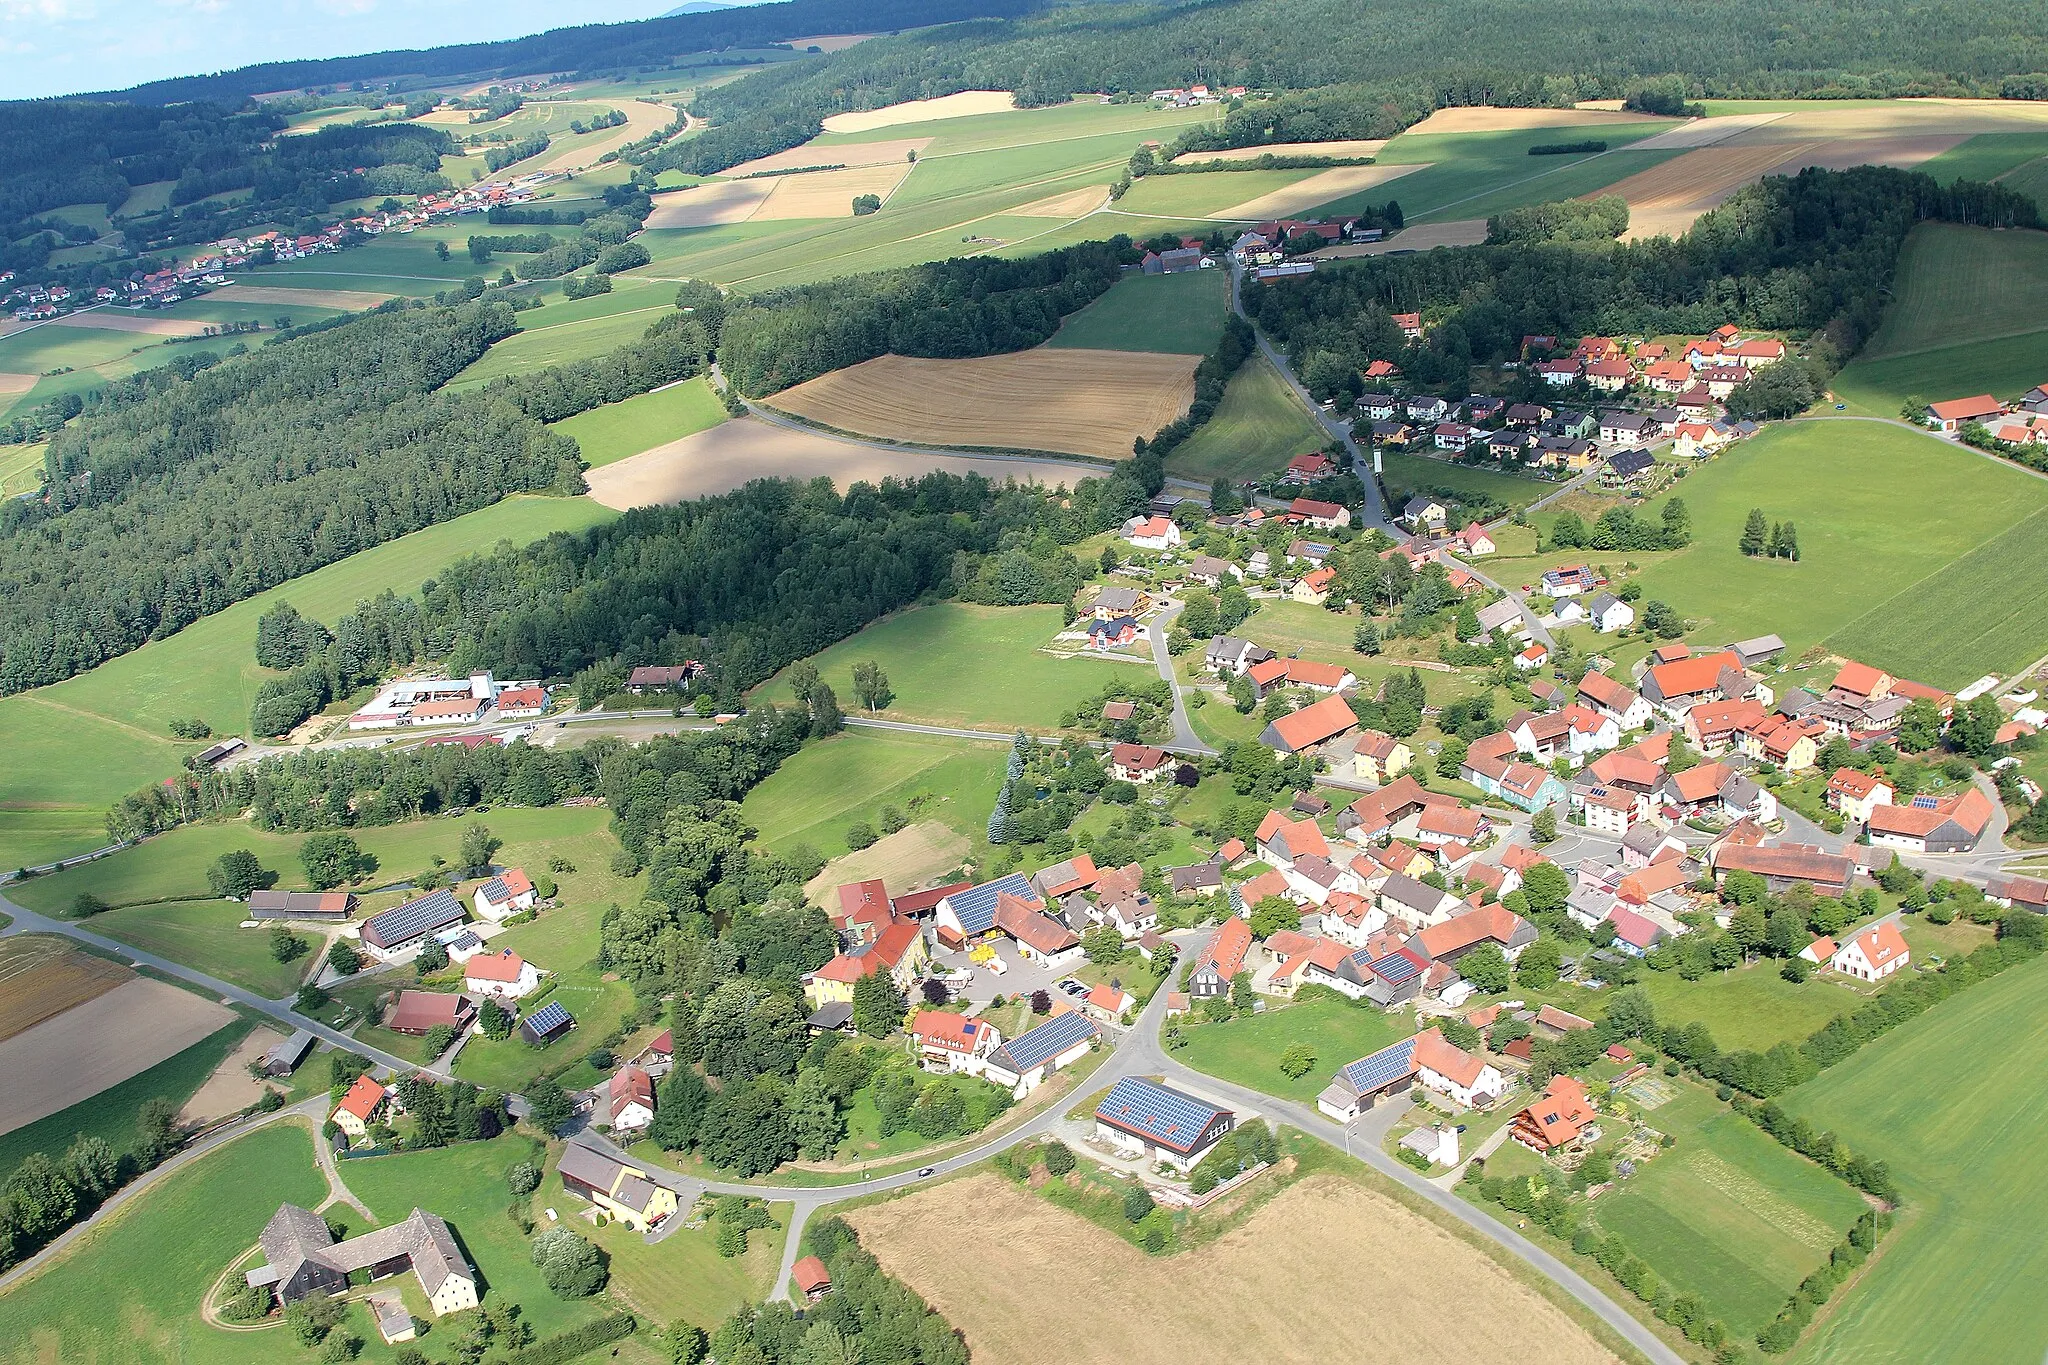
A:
[1812,253]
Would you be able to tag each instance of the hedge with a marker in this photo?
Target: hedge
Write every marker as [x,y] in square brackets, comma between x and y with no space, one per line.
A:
[566,1346]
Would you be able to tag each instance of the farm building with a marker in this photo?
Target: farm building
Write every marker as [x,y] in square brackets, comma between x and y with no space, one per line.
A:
[546,1024]
[405,926]
[302,905]
[301,1257]
[284,1058]
[1026,1060]
[1143,1118]
[418,1013]
[626,1192]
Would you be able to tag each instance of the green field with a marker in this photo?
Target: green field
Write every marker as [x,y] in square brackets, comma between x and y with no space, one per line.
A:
[1937,1099]
[1879,508]
[208,934]
[1247,1051]
[827,786]
[549,342]
[1750,1007]
[1258,427]
[1471,175]
[77,746]
[1728,1213]
[1957,284]
[1177,314]
[1987,156]
[21,469]
[2006,368]
[129,1293]
[643,422]
[1407,473]
[959,665]
[1204,194]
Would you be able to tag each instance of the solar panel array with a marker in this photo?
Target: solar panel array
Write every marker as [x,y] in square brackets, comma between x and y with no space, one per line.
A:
[548,1018]
[403,923]
[1049,1039]
[1391,1063]
[1164,1115]
[1397,969]
[976,906]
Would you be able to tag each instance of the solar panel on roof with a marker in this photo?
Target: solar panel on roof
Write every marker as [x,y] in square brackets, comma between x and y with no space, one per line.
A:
[1050,1038]
[976,906]
[548,1018]
[1389,1064]
[1157,1111]
[414,918]
[1397,969]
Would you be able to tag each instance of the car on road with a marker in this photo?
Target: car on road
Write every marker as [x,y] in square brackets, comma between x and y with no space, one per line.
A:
[924,1171]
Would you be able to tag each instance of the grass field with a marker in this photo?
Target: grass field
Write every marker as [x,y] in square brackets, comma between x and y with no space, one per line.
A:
[683,1277]
[2006,367]
[643,422]
[1728,1213]
[1407,473]
[1201,194]
[1960,1279]
[1987,156]
[550,342]
[1751,1007]
[813,797]
[129,1292]
[1878,508]
[209,933]
[1958,284]
[1258,427]
[1179,314]
[81,744]
[1471,175]
[1247,1051]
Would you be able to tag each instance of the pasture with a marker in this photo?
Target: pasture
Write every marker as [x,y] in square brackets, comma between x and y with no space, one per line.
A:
[616,430]
[1473,174]
[1257,428]
[1172,314]
[551,342]
[42,975]
[1749,1007]
[101,1042]
[1247,1051]
[833,783]
[1405,473]
[1958,1279]
[129,1292]
[1069,401]
[208,933]
[2006,367]
[1961,284]
[1204,194]
[1433,1295]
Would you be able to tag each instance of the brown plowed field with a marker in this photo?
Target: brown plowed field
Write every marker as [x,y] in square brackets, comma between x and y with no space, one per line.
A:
[1485,118]
[1087,402]
[708,205]
[42,975]
[14,385]
[1665,199]
[102,1042]
[1326,1271]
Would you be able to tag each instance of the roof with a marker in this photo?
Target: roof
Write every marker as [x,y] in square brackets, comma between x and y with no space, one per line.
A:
[1312,674]
[1861,679]
[1310,507]
[945,1029]
[1970,811]
[975,907]
[547,1019]
[1159,1114]
[809,1276]
[1962,409]
[1034,1046]
[1022,920]
[518,698]
[422,1010]
[630,1085]
[1880,943]
[1493,922]
[361,1100]
[1562,1111]
[1311,725]
[1853,784]
[1140,756]
[1299,838]
[504,965]
[415,918]
[1791,861]
[863,900]
[1451,1062]
[288,903]
[1227,947]
[1377,1070]
[1695,673]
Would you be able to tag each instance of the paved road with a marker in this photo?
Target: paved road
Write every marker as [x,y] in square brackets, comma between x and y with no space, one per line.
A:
[1185,740]
[1531,618]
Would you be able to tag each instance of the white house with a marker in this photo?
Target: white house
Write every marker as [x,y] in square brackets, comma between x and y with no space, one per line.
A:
[1455,1073]
[1152,533]
[1026,1060]
[1874,954]
[1605,612]
[504,974]
[630,1099]
[943,1041]
[505,894]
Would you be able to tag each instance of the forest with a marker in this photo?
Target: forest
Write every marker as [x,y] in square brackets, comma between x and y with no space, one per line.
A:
[1812,253]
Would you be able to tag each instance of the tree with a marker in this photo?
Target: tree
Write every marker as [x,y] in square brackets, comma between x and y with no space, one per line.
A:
[1041,1002]
[1754,531]
[332,858]
[1450,760]
[1677,524]
[1297,1060]
[236,873]
[871,686]
[813,1116]
[746,1128]
[495,1020]
[1974,727]
[548,1106]
[91,1168]
[522,1177]
[433,957]
[1233,605]
[1662,621]
[157,1132]
[1546,887]
[478,844]
[1242,695]
[1543,828]
[1919,726]
[1273,914]
[878,1007]
[44,1202]
[687,1345]
[826,717]
[1537,967]
[1058,1159]
[1486,967]
[284,944]
[1366,639]
[1788,545]
[344,957]
[570,1266]
[1137,1202]
[1749,928]
[679,1109]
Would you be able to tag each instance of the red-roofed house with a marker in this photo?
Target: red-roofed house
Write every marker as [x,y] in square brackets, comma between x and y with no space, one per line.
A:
[1318,677]
[1951,416]
[1874,954]
[1856,794]
[951,1042]
[630,1098]
[521,703]
[1326,515]
[1557,1119]
[1313,725]
[1281,840]
[1312,589]
[810,1278]
[1139,762]
[1308,468]
[1930,824]
[504,974]
[1152,533]
[359,1107]
[1106,1004]
[898,949]
[1455,1073]
[1221,958]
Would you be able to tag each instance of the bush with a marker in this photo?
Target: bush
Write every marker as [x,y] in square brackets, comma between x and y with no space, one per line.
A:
[1137,1203]
[571,1266]
[522,1177]
[1058,1159]
[860,836]
[577,1341]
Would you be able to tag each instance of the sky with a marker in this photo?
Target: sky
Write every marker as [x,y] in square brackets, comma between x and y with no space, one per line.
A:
[58,47]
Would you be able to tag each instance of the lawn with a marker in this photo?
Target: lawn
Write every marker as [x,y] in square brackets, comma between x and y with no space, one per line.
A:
[1957,284]
[209,932]
[1960,1279]
[1727,1212]
[616,430]
[597,1006]
[1258,427]
[830,784]
[1410,473]
[1750,1007]
[1247,1051]
[1879,508]
[959,665]
[1177,314]
[683,1277]
[129,1293]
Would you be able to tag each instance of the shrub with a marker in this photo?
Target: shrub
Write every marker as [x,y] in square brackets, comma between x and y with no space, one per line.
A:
[572,1267]
[522,1177]
[1058,1159]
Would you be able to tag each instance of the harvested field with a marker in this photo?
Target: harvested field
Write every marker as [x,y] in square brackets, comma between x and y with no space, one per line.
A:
[41,975]
[1087,402]
[1073,204]
[1666,199]
[710,205]
[231,1089]
[1422,237]
[1848,118]
[829,42]
[100,1043]
[1320,188]
[569,152]
[917,111]
[1486,118]
[887,153]
[14,385]
[1705,132]
[728,455]
[132,322]
[1351,147]
[827,194]
[353,300]
[907,859]
[1413,1292]
[1841,154]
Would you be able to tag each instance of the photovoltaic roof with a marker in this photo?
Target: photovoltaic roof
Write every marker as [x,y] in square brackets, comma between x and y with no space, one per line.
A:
[1050,1038]
[1389,1064]
[1397,969]
[1157,1112]
[976,906]
[415,917]
[548,1018]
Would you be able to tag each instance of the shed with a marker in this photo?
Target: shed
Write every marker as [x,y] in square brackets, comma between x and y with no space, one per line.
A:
[546,1024]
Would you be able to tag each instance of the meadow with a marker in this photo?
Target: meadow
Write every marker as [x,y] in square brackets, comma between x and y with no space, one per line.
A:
[209,932]
[1178,314]
[564,336]
[1258,427]
[1247,1051]
[1471,175]
[1959,1278]
[1749,1007]
[831,784]
[1409,473]
[1988,156]
[616,430]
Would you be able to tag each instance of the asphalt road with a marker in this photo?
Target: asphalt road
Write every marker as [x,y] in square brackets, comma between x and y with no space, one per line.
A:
[1185,740]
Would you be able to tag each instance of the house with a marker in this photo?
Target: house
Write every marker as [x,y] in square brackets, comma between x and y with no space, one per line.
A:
[1611,375]
[968,915]
[2030,893]
[1423,510]
[1521,784]
[1411,901]
[1559,1118]
[1569,580]
[1560,374]
[1024,1062]
[1455,436]
[1932,824]
[1616,427]
[626,1192]
[1448,939]
[1327,516]
[1139,762]
[1784,865]
[1381,371]
[1142,1118]
[1198,879]
[1311,726]
[1669,376]
[1392,811]
[322,906]
[1118,632]
[1376,407]
[1312,589]
[546,1024]
[1500,615]
[1281,841]
[1315,465]
[1473,541]
[1677,686]
[1210,571]
[942,1041]
[359,1108]
[1220,959]
[1380,757]
[1533,657]
[1625,468]
[629,1098]
[418,1013]
[810,1279]
[898,949]
[1619,703]
[1445,822]
[1152,533]
[1874,954]
[1423,407]
[1721,380]
[1228,656]
[301,1258]
[521,703]
[505,894]
[406,926]
[661,677]
[503,974]
[1856,794]
[1954,414]
[1107,1004]
[1634,934]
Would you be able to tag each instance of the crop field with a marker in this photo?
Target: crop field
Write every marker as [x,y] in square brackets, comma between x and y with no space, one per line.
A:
[1325,1240]
[1849,486]
[914,856]
[344,300]
[42,975]
[1470,175]
[828,786]
[709,205]
[1341,147]
[827,194]
[967,102]
[1728,1213]
[551,343]
[881,152]
[1482,118]
[1247,1051]
[1258,427]
[616,430]
[129,1292]
[101,1042]
[1959,1279]
[1337,184]
[208,933]
[1079,402]
[122,320]
[1665,199]
[1963,284]
[1205,193]
[1175,314]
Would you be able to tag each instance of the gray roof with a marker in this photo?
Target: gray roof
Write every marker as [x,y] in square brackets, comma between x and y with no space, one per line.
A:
[1601,601]
[1118,599]
[1630,462]
[1049,1039]
[1195,877]
[291,1051]
[1762,647]
[292,1237]
[415,918]
[832,1014]
[1498,614]
[1642,838]
[295,1235]
[1405,890]
[975,907]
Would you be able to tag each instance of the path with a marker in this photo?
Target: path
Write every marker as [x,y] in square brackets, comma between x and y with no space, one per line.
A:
[338,1191]
[1184,737]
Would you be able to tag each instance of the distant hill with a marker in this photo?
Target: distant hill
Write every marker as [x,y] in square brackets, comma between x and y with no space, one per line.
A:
[696,7]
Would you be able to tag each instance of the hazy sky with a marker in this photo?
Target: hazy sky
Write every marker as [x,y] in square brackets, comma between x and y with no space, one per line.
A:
[56,47]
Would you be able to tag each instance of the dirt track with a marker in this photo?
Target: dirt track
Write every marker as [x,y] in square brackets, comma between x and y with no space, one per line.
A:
[102,1042]
[1325,1271]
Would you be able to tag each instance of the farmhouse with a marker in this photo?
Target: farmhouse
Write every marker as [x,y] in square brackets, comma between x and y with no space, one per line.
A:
[2030,893]
[406,926]
[504,895]
[943,1041]
[1953,415]
[301,1257]
[1784,865]
[419,1013]
[1932,824]
[1113,602]
[1452,938]
[1220,959]
[897,949]
[1618,702]
[1874,954]
[504,974]
[629,1099]
[359,1108]
[661,677]
[1316,465]
[1313,725]
[1142,1118]
[1559,1118]
[1024,1062]
[626,1192]
[1679,685]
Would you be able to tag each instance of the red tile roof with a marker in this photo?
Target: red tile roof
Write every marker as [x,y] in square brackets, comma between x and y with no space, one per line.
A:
[1861,679]
[1695,673]
[1227,947]
[809,1275]
[1966,409]
[362,1098]
[504,965]
[1311,674]
[1881,943]
[1451,1062]
[1314,723]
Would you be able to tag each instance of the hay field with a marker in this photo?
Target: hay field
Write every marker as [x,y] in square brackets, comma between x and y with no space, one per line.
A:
[909,858]
[827,194]
[711,204]
[353,300]
[15,385]
[1320,188]
[569,152]
[1486,118]
[1326,1269]
[1897,118]
[731,453]
[829,42]
[1666,199]
[1342,147]
[1073,204]
[886,152]
[103,320]
[1705,132]
[1081,401]
[98,1044]
[917,111]
[42,975]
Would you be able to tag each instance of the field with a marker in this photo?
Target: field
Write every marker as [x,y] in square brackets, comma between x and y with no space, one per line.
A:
[1338,148]
[1728,1213]
[1667,198]
[79,745]
[1959,1280]
[2006,367]
[828,194]
[1961,284]
[1319,188]
[1852,488]
[709,205]
[208,934]
[616,430]
[915,856]
[120,320]
[1174,314]
[1484,118]
[347,300]
[1472,174]
[129,1293]
[1079,402]
[746,448]
[1410,472]
[100,1043]
[569,331]
[881,152]
[828,785]
[42,975]
[1988,156]
[959,665]
[1258,427]
[1247,1051]
[1324,1241]
[919,111]
[1205,194]
[1751,1007]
